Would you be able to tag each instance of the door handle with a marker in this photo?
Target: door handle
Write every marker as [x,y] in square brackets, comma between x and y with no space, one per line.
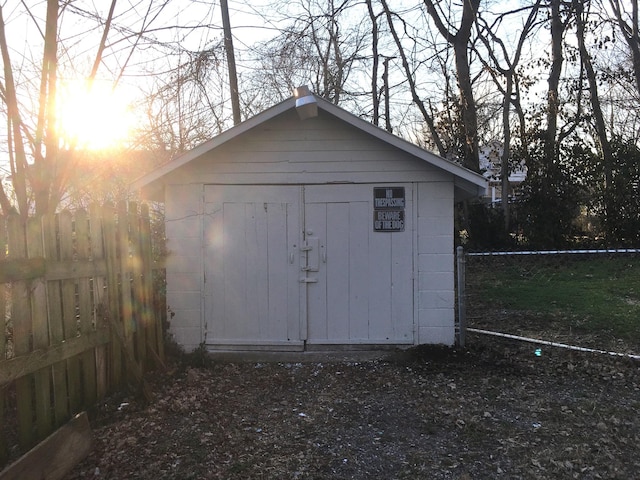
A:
[308,280]
[313,254]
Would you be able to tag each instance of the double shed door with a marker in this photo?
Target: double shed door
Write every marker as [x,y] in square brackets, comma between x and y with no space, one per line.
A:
[289,265]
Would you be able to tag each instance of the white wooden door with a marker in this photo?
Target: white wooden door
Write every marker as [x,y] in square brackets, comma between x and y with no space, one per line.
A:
[359,281]
[285,265]
[252,285]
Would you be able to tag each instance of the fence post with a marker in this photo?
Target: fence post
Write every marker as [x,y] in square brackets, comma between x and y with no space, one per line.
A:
[462,310]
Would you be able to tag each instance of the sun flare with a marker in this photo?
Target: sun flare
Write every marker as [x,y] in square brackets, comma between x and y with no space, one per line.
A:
[94,119]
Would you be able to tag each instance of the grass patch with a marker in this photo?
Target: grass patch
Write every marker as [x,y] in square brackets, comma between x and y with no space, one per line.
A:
[598,295]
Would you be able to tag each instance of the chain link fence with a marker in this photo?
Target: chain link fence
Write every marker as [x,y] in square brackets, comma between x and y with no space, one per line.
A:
[586,298]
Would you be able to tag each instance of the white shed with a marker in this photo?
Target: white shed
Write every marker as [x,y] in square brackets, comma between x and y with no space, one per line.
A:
[329,232]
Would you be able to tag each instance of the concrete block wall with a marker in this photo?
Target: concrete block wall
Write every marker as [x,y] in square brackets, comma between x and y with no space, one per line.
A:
[184,263]
[436,281]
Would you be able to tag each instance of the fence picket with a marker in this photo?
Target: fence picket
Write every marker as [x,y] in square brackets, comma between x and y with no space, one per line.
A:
[128,319]
[112,306]
[21,332]
[3,291]
[154,331]
[3,340]
[97,253]
[69,310]
[85,317]
[3,441]
[44,415]
[56,329]
[138,300]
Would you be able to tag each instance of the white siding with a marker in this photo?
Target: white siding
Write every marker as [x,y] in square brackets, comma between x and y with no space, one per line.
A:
[321,150]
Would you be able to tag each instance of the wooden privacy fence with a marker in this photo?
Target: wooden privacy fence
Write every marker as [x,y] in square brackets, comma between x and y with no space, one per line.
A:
[77,300]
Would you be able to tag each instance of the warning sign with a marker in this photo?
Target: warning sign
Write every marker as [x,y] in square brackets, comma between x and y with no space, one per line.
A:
[388,197]
[388,209]
[388,221]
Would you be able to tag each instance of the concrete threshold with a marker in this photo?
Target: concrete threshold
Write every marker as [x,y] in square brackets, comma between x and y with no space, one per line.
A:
[307,356]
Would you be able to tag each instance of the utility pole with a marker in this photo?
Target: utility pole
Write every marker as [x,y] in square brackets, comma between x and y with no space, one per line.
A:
[231,61]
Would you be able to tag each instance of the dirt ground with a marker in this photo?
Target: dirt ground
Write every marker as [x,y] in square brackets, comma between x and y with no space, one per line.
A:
[497,409]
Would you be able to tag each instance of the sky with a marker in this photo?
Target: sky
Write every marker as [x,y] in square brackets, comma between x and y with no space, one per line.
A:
[135,63]
[251,21]
[138,60]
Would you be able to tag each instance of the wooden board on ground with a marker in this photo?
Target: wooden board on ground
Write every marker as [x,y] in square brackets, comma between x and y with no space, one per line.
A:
[56,456]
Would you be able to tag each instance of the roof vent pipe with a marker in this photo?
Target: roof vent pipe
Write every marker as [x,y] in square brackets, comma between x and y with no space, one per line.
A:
[306,104]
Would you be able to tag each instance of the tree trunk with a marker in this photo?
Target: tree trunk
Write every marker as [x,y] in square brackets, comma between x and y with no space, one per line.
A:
[467,102]
[412,84]
[553,104]
[460,43]
[375,99]
[17,153]
[598,116]
[48,170]
[630,34]
[506,152]
[387,111]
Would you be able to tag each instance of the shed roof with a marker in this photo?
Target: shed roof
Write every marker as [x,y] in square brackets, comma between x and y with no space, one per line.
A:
[468,183]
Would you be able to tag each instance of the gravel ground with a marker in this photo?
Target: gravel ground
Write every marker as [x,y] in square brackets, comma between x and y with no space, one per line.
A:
[496,409]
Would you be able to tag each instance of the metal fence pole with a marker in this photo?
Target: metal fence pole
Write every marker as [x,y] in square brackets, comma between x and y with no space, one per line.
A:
[462,310]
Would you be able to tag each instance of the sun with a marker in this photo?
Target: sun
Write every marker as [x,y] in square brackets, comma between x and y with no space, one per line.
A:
[94,119]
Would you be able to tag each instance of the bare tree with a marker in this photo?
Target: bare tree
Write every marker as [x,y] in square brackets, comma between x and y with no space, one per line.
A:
[459,40]
[629,25]
[509,87]
[596,109]
[40,163]
[185,105]
[558,26]
[319,48]
[410,76]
